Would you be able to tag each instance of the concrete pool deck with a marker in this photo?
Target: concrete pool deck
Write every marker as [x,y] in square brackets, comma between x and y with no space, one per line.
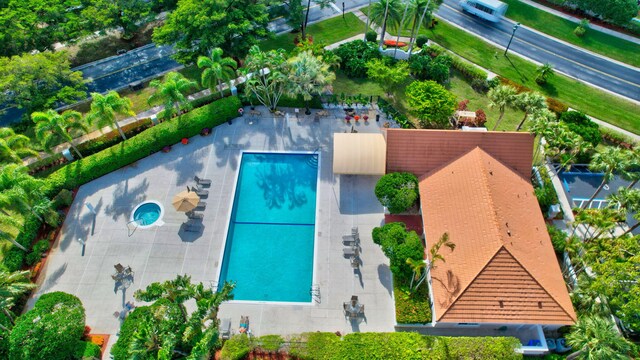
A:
[160,253]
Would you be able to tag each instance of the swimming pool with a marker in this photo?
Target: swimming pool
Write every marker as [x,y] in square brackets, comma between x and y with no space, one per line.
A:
[270,240]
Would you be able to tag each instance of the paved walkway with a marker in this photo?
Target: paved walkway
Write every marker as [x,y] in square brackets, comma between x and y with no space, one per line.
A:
[577,21]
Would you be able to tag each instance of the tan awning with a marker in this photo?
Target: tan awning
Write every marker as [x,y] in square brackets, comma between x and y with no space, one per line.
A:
[359,154]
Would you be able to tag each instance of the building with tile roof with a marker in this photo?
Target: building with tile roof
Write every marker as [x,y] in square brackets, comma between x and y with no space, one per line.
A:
[503,273]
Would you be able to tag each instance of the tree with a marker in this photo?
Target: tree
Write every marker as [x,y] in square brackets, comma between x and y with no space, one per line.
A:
[217,70]
[12,286]
[105,107]
[53,128]
[265,74]
[582,125]
[543,72]
[196,27]
[606,161]
[541,124]
[322,4]
[388,77]
[432,103]
[529,102]
[38,81]
[502,97]
[628,200]
[630,171]
[295,15]
[8,222]
[616,11]
[397,191]
[308,76]
[172,93]
[354,57]
[594,337]
[387,13]
[125,14]
[398,245]
[417,266]
[418,12]
[14,147]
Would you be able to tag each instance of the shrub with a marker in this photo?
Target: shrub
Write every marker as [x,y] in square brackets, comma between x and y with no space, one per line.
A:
[503,348]
[468,70]
[481,117]
[462,105]
[394,114]
[50,330]
[141,314]
[412,307]
[480,85]
[400,345]
[41,246]
[580,124]
[545,193]
[13,259]
[315,345]
[142,145]
[371,36]
[421,40]
[556,106]
[271,343]
[397,191]
[113,137]
[298,102]
[398,245]
[355,55]
[63,199]
[558,238]
[579,31]
[33,257]
[87,350]
[615,138]
[236,348]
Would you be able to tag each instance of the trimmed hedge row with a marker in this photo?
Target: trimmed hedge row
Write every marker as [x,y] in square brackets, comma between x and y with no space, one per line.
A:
[466,68]
[142,145]
[401,345]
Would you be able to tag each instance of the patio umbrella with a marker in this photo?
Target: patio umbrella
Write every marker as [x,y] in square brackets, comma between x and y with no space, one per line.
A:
[185,201]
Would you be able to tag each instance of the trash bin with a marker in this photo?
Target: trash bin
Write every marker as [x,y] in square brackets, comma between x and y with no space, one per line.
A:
[67,155]
[554,210]
[234,91]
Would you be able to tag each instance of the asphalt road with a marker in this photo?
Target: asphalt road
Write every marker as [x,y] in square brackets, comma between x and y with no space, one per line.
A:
[574,62]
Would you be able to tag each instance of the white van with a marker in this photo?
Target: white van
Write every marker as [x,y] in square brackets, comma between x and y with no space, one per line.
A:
[491,10]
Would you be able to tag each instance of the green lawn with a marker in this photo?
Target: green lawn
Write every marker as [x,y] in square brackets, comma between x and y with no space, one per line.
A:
[577,95]
[596,41]
[328,31]
[457,85]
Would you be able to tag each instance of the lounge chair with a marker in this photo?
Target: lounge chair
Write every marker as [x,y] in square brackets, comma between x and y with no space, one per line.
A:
[194,216]
[203,182]
[225,329]
[200,192]
[351,251]
[201,205]
[351,240]
[119,268]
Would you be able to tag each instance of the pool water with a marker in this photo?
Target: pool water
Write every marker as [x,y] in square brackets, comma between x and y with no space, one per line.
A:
[270,241]
[147,214]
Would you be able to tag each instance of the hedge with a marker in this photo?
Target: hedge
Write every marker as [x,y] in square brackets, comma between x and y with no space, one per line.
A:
[236,348]
[141,314]
[412,307]
[51,330]
[402,345]
[467,69]
[14,258]
[142,145]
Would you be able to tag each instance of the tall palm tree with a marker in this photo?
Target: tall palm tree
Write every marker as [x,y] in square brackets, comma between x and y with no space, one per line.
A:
[308,76]
[606,161]
[13,285]
[420,15]
[502,97]
[53,128]
[387,13]
[217,69]
[595,337]
[105,107]
[631,170]
[629,201]
[177,291]
[9,222]
[172,93]
[23,193]
[13,147]
[529,102]
[541,125]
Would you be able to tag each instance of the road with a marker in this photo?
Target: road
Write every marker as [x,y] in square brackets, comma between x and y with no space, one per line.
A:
[582,65]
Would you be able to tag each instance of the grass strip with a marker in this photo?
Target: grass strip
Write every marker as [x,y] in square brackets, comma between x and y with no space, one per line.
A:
[327,31]
[593,40]
[574,93]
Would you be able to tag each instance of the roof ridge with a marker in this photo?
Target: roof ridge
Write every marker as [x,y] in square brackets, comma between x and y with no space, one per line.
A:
[538,283]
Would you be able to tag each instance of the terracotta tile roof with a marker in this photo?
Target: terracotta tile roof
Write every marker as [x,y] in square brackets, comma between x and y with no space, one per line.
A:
[503,252]
[421,151]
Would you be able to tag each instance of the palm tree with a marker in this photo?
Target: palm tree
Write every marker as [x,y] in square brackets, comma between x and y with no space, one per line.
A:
[606,161]
[172,94]
[629,201]
[543,73]
[9,222]
[23,193]
[53,128]
[541,125]
[13,147]
[631,170]
[12,286]
[435,250]
[529,102]
[387,13]
[595,337]
[417,265]
[105,107]
[501,96]
[308,76]
[217,69]
[177,291]
[418,9]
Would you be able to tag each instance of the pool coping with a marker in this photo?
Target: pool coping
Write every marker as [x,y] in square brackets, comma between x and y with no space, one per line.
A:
[311,302]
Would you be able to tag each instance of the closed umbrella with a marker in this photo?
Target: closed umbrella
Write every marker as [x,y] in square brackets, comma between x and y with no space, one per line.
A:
[185,201]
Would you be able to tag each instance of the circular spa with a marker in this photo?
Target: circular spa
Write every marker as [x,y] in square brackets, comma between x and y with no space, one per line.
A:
[147,214]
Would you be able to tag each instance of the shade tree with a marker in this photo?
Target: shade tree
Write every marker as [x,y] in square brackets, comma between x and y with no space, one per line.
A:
[104,109]
[389,77]
[432,104]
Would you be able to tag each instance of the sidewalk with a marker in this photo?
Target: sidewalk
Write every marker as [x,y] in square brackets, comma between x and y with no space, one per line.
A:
[577,21]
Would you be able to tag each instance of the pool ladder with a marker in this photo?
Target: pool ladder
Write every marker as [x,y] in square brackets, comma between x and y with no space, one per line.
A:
[315,293]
